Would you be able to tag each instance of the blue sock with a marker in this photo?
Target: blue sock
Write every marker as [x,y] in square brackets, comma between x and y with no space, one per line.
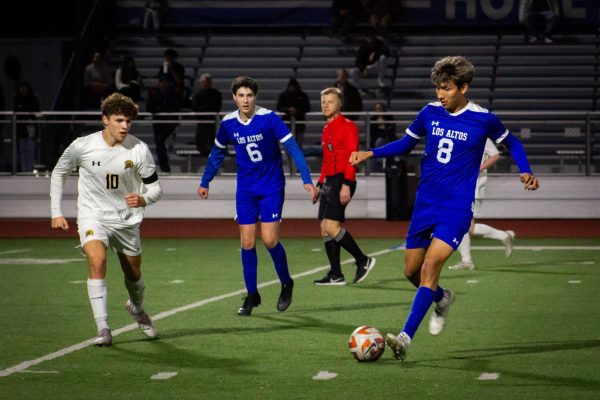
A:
[280,262]
[439,294]
[421,303]
[249,267]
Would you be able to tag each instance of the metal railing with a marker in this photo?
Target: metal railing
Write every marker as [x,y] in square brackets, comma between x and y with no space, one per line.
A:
[556,142]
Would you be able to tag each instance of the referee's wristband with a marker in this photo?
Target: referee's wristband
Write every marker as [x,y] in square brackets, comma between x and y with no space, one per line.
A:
[320,185]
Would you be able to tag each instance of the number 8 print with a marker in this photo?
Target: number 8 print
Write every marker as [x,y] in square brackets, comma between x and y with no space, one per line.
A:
[444,150]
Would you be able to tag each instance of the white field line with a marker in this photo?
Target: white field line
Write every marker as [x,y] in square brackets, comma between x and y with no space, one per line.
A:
[14,251]
[82,345]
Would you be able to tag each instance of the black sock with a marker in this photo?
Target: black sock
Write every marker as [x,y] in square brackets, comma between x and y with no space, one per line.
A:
[345,239]
[333,254]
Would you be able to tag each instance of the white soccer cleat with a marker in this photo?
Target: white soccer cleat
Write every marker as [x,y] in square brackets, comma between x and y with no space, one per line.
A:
[463,265]
[508,245]
[439,314]
[398,344]
[143,321]
[104,338]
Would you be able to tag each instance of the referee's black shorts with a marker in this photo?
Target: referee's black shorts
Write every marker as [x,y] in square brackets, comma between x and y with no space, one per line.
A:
[330,206]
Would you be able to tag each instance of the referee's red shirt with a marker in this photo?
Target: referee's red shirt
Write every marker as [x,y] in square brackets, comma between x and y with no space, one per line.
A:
[339,139]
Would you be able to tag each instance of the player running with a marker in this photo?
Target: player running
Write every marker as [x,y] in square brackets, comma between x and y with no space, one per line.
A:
[456,131]
[117,179]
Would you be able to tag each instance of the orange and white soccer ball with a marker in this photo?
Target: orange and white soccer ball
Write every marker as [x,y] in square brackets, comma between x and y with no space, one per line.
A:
[366,343]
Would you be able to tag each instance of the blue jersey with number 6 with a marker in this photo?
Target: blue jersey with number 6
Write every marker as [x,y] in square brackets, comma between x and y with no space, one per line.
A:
[257,151]
[455,144]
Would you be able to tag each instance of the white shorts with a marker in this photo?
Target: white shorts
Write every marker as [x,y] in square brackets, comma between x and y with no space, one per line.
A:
[124,240]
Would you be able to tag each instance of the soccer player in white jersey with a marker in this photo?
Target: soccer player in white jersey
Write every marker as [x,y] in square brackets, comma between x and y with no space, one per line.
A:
[456,131]
[256,134]
[117,179]
[490,157]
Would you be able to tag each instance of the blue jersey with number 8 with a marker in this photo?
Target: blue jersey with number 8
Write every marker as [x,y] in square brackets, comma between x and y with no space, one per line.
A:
[257,150]
[455,144]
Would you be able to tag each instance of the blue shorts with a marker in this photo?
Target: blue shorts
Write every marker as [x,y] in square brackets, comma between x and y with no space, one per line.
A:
[250,207]
[430,221]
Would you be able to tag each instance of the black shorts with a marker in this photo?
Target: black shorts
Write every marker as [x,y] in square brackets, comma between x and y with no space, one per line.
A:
[330,206]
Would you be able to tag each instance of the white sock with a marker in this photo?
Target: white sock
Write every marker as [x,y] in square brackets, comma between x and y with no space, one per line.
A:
[465,249]
[488,232]
[136,294]
[98,295]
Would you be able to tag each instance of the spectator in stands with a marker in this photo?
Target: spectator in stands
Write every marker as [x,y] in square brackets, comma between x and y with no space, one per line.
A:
[128,79]
[490,156]
[352,101]
[541,17]
[371,59]
[173,72]
[382,132]
[163,99]
[154,11]
[382,13]
[27,134]
[294,103]
[206,99]
[97,82]
[344,16]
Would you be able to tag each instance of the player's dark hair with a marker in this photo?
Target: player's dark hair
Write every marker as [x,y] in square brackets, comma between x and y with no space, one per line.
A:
[244,81]
[456,69]
[118,104]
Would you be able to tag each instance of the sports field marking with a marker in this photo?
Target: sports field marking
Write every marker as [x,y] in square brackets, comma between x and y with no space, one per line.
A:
[472,281]
[575,281]
[324,376]
[163,375]
[14,251]
[489,376]
[86,343]
[38,261]
[77,282]
[39,372]
[176,281]
[539,248]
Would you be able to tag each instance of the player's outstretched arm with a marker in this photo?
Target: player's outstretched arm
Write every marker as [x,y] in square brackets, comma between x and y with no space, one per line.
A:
[203,192]
[530,182]
[60,223]
[356,157]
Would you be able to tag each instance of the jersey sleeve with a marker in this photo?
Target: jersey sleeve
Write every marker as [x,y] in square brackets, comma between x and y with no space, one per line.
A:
[417,128]
[147,166]
[281,131]
[496,130]
[222,138]
[65,164]
[350,144]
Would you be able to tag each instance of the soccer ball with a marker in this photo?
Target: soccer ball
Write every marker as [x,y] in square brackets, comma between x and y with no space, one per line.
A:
[366,343]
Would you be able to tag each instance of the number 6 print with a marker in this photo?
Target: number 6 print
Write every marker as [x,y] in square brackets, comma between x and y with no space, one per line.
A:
[253,152]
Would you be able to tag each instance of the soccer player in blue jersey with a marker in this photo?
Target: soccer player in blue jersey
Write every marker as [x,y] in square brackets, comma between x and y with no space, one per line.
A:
[456,131]
[256,133]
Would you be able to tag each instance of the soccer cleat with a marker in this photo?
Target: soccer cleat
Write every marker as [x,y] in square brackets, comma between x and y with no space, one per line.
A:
[463,265]
[363,270]
[250,301]
[398,344]
[331,280]
[439,314]
[285,297]
[104,338]
[507,242]
[143,321]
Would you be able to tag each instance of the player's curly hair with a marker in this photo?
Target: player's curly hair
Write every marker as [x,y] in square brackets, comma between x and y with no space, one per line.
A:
[334,91]
[244,81]
[118,104]
[456,69]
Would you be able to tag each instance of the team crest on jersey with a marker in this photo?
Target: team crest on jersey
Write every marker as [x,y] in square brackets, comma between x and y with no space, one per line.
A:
[128,164]
[89,232]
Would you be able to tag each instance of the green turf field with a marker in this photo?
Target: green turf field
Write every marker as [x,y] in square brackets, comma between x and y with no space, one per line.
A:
[527,327]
